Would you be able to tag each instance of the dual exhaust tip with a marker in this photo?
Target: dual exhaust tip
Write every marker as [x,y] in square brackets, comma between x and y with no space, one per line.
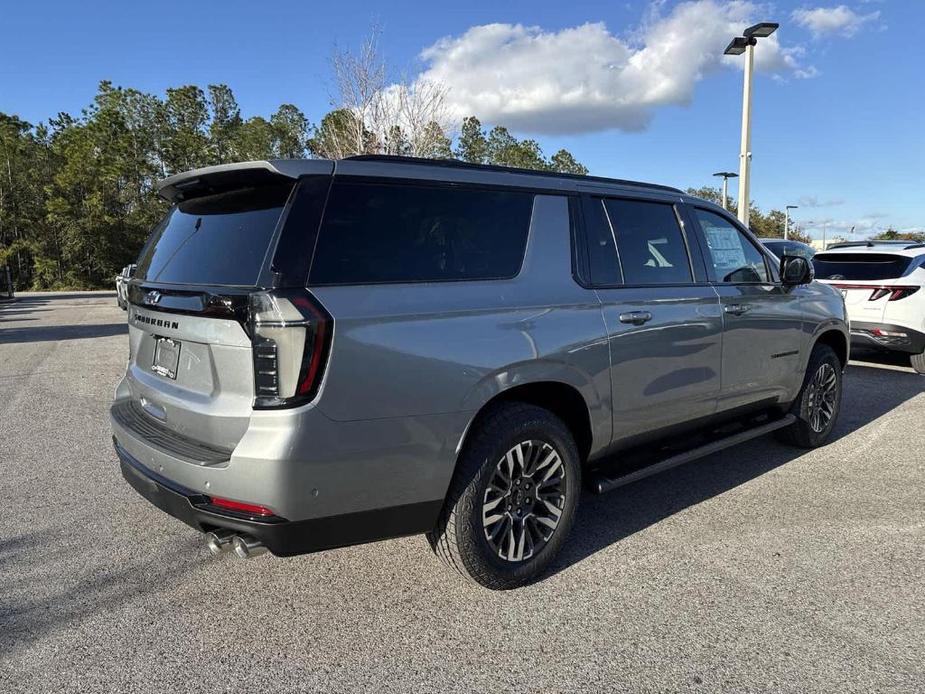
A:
[245,546]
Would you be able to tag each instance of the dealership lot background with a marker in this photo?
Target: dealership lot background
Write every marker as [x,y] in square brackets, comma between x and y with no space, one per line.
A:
[762,568]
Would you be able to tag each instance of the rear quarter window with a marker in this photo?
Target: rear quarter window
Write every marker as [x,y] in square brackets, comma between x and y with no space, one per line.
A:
[860,266]
[397,232]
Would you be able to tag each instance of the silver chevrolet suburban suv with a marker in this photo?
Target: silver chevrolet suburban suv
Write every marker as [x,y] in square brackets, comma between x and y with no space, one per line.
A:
[329,353]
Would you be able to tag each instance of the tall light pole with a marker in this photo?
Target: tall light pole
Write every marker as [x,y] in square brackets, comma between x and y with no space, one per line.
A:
[787,218]
[825,228]
[739,45]
[726,176]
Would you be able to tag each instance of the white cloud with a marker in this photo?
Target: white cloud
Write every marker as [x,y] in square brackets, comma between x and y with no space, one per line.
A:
[833,20]
[586,78]
[870,223]
[811,201]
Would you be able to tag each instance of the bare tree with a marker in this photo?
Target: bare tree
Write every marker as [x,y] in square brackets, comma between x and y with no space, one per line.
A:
[422,112]
[371,116]
[360,80]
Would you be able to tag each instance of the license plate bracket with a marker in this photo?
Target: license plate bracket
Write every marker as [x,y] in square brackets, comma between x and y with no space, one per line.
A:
[166,357]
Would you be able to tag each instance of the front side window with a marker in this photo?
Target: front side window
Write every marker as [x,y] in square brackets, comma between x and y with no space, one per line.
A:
[732,257]
[389,232]
[650,243]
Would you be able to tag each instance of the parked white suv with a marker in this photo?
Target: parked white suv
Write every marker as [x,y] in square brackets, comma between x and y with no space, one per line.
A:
[882,285]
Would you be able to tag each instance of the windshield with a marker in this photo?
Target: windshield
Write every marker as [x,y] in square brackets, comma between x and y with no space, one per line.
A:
[860,266]
[214,240]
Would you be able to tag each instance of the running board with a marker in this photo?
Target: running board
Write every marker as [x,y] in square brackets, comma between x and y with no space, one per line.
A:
[601,483]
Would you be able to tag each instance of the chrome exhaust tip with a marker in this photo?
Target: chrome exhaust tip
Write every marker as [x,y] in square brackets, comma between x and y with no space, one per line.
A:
[246,546]
[219,541]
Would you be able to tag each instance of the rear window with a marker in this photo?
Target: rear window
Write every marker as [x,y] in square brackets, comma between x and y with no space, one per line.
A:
[374,233]
[214,240]
[859,266]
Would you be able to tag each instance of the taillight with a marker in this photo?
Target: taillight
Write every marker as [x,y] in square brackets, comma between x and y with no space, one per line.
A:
[290,334]
[880,332]
[898,293]
[895,293]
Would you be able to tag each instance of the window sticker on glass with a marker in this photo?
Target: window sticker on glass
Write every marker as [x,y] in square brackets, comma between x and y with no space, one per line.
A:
[725,247]
[735,259]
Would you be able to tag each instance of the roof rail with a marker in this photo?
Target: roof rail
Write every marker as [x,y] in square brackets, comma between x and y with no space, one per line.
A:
[903,245]
[456,164]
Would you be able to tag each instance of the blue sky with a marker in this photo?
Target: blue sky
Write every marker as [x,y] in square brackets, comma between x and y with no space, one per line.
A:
[839,101]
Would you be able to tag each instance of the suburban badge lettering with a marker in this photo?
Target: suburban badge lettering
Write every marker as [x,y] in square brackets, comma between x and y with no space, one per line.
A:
[156,322]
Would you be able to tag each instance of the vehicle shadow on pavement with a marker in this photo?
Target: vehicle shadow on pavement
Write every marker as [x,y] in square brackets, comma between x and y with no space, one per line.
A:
[57,296]
[870,392]
[5,312]
[56,333]
[48,594]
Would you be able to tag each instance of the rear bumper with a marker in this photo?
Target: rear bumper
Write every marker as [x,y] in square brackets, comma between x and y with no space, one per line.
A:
[280,536]
[867,336]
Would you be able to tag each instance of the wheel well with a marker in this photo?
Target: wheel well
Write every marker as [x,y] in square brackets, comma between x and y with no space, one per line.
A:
[836,340]
[561,399]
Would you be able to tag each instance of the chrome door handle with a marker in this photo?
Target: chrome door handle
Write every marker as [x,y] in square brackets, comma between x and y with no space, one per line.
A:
[636,317]
[737,309]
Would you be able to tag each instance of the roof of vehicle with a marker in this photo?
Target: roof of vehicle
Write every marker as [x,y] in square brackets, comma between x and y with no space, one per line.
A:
[456,164]
[211,179]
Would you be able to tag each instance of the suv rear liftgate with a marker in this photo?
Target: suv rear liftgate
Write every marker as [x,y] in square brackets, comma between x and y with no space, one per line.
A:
[220,325]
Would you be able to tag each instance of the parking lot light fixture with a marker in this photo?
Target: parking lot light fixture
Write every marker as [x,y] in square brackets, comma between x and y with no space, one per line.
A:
[761,30]
[787,218]
[739,45]
[726,176]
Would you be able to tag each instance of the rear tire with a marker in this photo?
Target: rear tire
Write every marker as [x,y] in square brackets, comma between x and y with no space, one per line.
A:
[512,500]
[918,362]
[819,402]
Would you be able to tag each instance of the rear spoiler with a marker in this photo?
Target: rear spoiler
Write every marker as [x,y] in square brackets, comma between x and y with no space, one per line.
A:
[217,179]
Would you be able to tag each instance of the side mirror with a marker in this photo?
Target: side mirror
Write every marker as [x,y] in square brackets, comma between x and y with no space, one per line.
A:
[795,270]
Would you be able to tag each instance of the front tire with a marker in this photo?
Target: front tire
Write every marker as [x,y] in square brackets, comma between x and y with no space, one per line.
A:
[819,402]
[512,500]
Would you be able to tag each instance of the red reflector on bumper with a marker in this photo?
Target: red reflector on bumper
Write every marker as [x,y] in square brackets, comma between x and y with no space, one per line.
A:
[241,507]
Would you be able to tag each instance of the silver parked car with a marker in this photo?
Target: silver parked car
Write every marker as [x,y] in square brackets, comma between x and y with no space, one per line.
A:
[324,354]
[122,285]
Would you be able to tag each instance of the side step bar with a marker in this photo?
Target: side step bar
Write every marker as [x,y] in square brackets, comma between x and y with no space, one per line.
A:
[601,483]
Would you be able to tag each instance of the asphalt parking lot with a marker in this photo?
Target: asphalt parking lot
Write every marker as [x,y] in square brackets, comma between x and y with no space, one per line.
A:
[762,568]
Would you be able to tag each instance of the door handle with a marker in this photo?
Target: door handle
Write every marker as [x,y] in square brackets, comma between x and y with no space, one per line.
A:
[737,309]
[636,317]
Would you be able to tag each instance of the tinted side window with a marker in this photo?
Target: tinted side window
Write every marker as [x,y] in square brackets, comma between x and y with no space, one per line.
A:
[732,258]
[388,232]
[297,241]
[650,242]
[602,254]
